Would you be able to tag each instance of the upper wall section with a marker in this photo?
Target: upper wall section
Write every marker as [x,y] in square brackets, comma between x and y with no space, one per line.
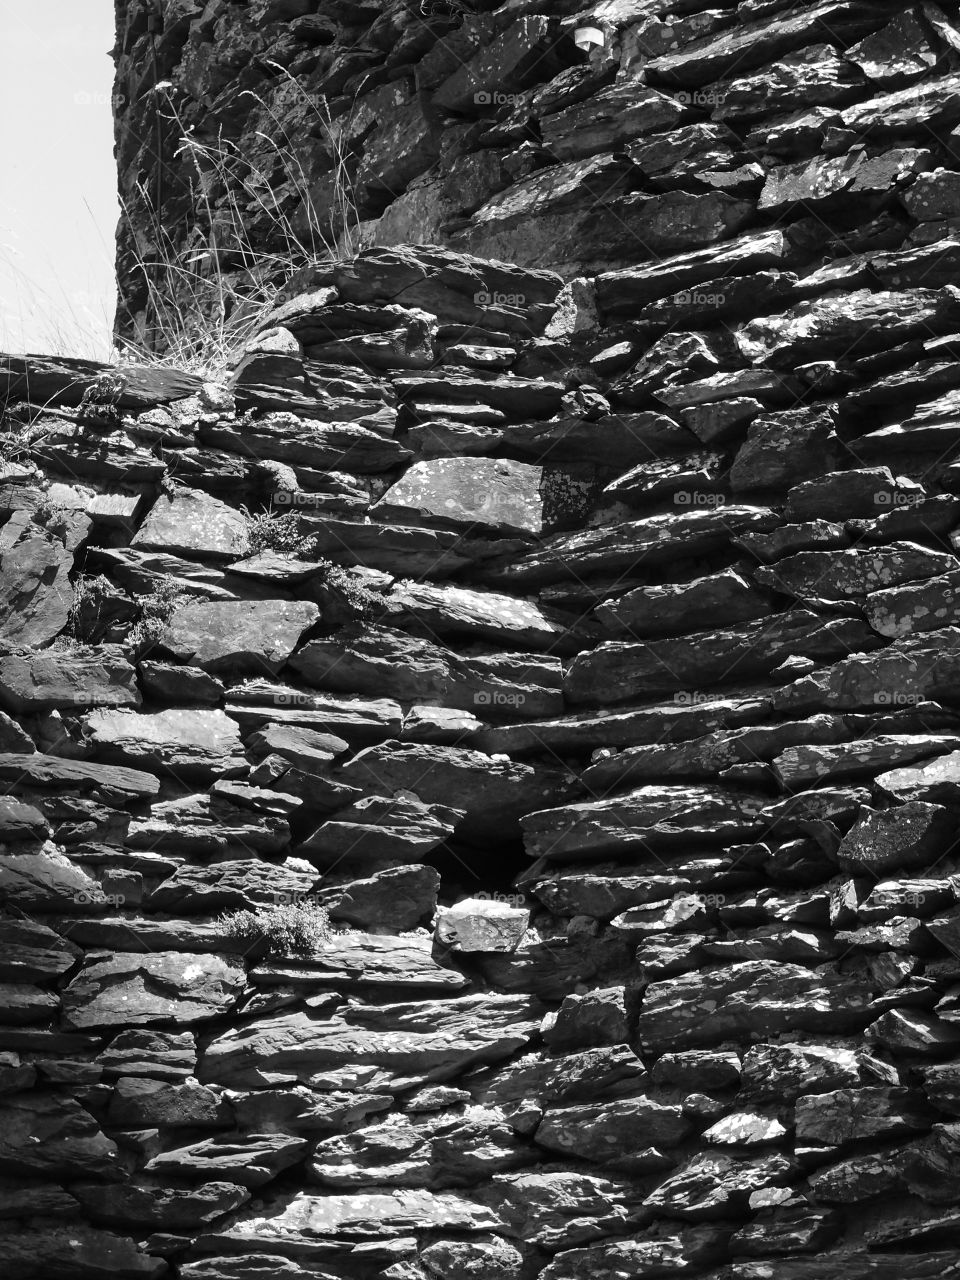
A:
[549,133]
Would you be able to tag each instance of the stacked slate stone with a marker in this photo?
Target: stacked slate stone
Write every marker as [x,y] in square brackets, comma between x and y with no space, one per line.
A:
[606,695]
[612,715]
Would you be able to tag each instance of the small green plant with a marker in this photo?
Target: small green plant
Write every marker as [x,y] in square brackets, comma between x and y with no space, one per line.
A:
[359,599]
[49,512]
[300,927]
[100,402]
[22,430]
[269,531]
[90,611]
[156,609]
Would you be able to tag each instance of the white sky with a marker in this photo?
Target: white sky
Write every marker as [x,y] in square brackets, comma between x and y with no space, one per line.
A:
[58,205]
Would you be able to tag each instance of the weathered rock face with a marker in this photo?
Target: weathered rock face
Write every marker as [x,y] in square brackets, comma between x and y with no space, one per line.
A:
[600,680]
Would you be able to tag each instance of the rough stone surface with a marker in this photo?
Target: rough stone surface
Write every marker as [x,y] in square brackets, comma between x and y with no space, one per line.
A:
[544,633]
[239,637]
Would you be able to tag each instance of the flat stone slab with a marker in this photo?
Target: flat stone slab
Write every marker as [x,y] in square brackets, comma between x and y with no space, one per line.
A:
[481,924]
[290,1225]
[356,960]
[113,783]
[385,662]
[187,743]
[493,793]
[241,883]
[60,679]
[35,591]
[251,1159]
[494,615]
[618,670]
[400,828]
[648,816]
[48,881]
[162,1208]
[49,1135]
[30,952]
[272,709]
[625,726]
[503,496]
[693,1009]
[239,636]
[340,446]
[191,522]
[431,1038]
[634,545]
[856,573]
[203,824]
[137,990]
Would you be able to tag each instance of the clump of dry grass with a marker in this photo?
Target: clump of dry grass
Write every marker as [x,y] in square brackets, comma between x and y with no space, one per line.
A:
[207,300]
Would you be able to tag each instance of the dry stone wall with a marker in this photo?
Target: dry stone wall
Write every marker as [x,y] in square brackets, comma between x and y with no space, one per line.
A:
[597,671]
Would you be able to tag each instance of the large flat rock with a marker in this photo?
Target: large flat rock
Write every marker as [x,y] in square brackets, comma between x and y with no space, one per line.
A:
[68,681]
[48,881]
[138,990]
[619,670]
[435,1039]
[187,743]
[709,1007]
[301,441]
[395,827]
[356,961]
[239,636]
[642,820]
[190,522]
[71,1249]
[743,47]
[241,883]
[634,545]
[35,591]
[493,615]
[115,784]
[493,793]
[45,1134]
[624,726]
[290,1224]
[250,1160]
[385,662]
[499,495]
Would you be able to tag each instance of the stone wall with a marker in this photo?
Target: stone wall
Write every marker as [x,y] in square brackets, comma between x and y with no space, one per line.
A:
[554,134]
[597,672]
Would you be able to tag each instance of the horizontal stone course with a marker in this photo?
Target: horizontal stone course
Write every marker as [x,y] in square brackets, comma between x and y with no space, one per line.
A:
[481,778]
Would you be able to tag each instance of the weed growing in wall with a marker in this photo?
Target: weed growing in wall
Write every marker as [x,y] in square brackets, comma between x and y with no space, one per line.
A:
[156,609]
[205,302]
[287,928]
[270,532]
